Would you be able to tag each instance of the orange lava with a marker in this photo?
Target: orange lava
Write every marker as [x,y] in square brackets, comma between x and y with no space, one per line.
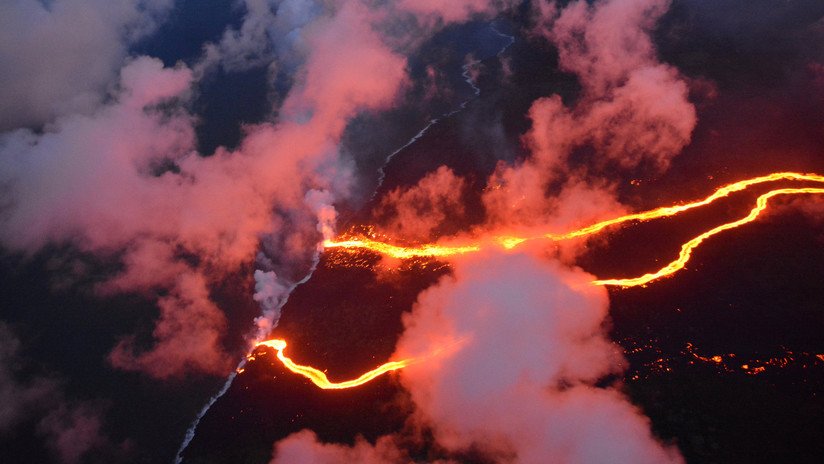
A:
[666,211]
[687,248]
[509,242]
[319,378]
[422,251]
[730,363]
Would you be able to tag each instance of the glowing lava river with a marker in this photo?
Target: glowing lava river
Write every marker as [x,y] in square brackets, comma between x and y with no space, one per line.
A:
[319,378]
[446,250]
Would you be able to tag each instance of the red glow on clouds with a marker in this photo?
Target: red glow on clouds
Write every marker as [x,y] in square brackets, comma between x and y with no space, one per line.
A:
[416,213]
[88,180]
[113,171]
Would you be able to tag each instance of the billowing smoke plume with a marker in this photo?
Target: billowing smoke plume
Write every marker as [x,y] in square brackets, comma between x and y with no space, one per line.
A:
[512,346]
[418,212]
[632,115]
[633,108]
[124,181]
[632,112]
[529,344]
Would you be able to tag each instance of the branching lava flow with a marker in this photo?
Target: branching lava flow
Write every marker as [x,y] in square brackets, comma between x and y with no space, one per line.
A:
[447,250]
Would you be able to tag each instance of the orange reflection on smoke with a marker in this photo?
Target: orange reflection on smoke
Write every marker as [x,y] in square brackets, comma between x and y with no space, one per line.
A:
[687,248]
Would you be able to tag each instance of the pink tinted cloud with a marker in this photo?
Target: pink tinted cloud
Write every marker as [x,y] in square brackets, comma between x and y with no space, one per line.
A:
[516,344]
[449,11]
[816,71]
[187,335]
[511,347]
[646,119]
[349,68]
[96,181]
[304,448]
[633,112]
[19,397]
[633,107]
[70,429]
[604,42]
[416,212]
[517,199]
[72,432]
[88,176]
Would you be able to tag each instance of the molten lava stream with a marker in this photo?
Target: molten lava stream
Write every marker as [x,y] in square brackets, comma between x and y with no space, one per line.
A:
[319,378]
[509,242]
[432,250]
[400,252]
[687,248]
[666,211]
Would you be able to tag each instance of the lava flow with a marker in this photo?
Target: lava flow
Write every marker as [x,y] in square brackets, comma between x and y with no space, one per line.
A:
[729,363]
[319,378]
[687,248]
[442,251]
[427,251]
[666,211]
[509,242]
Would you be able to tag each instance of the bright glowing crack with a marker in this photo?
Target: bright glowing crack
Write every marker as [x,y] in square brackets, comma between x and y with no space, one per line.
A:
[319,378]
[687,248]
[509,242]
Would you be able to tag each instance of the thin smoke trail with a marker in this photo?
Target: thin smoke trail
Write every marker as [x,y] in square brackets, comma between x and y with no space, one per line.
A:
[501,34]
[462,106]
[190,432]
